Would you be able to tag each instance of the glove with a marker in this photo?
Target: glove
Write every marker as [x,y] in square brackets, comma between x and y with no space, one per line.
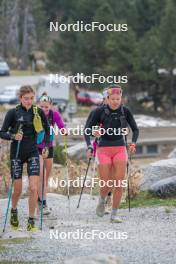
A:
[64,131]
[89,152]
[132,148]
[45,152]
[96,131]
[18,136]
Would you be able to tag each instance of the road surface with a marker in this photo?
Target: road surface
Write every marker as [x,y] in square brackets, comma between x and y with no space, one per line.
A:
[18,80]
[150,234]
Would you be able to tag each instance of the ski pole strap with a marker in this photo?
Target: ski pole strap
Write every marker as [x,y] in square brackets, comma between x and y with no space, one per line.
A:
[90,148]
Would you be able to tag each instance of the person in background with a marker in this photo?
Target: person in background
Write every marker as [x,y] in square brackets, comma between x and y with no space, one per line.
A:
[54,118]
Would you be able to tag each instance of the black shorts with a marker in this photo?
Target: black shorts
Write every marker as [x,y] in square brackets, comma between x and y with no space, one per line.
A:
[28,153]
[51,152]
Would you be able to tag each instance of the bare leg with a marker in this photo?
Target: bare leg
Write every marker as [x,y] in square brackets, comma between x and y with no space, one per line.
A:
[48,165]
[41,179]
[119,175]
[105,177]
[17,189]
[105,172]
[33,187]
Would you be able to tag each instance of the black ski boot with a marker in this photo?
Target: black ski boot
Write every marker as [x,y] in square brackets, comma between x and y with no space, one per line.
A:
[14,219]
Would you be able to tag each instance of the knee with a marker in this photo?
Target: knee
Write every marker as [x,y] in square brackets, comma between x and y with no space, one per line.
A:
[17,192]
[33,189]
[120,175]
[48,173]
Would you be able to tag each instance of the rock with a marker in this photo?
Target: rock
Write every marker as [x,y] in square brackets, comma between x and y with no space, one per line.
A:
[77,151]
[172,155]
[157,171]
[164,188]
[57,166]
[95,259]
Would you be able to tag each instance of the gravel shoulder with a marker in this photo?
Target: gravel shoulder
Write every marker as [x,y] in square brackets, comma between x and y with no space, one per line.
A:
[150,234]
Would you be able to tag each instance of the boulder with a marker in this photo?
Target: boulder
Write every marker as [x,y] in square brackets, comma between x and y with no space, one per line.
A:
[95,259]
[172,155]
[77,151]
[164,188]
[157,171]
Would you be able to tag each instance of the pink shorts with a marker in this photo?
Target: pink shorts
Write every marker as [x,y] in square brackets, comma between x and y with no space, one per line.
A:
[108,155]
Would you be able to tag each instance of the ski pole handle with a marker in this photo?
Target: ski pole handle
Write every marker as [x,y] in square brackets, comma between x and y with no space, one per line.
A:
[19,134]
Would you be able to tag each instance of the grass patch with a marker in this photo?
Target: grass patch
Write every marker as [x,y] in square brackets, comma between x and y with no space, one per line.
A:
[20,240]
[5,242]
[145,199]
[2,108]
[59,155]
[23,73]
[14,262]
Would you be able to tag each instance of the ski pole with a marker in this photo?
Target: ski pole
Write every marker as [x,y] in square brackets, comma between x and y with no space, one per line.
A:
[84,183]
[1,180]
[129,198]
[11,187]
[95,143]
[41,211]
[93,176]
[68,184]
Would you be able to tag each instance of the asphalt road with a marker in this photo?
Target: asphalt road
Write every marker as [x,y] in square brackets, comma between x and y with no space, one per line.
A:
[18,80]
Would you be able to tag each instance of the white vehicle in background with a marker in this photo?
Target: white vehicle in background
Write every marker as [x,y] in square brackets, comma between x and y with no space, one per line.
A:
[9,95]
[58,91]
[4,68]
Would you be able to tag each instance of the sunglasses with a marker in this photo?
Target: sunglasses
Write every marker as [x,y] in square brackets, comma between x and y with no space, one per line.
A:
[45,98]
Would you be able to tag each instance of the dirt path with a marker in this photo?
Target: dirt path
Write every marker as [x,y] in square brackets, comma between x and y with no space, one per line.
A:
[146,235]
